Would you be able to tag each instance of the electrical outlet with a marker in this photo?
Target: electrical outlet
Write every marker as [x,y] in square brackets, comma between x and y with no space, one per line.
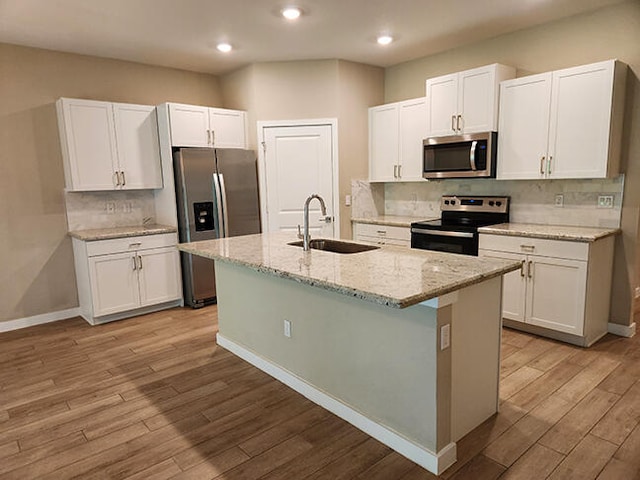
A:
[347,200]
[127,207]
[559,200]
[111,207]
[287,328]
[605,201]
[445,336]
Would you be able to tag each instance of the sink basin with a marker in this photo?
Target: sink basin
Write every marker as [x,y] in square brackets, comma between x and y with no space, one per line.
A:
[336,246]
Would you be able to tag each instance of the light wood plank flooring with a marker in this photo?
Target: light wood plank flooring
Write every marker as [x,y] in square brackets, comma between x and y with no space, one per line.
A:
[154,398]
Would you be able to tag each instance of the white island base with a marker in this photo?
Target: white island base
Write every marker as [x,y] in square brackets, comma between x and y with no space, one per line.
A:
[388,371]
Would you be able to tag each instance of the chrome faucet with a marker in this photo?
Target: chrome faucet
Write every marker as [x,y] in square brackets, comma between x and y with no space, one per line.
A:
[305,235]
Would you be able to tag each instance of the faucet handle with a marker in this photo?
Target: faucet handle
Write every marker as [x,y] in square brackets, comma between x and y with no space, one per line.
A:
[300,235]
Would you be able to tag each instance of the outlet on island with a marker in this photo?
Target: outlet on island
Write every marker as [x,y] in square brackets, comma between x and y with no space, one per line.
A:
[287,328]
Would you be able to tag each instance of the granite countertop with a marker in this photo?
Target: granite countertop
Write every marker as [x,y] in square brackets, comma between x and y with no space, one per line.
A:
[551,232]
[390,220]
[121,232]
[393,276]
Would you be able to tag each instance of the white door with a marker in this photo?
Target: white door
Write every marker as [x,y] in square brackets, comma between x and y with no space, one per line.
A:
[475,99]
[524,127]
[228,129]
[138,146]
[442,105]
[383,143]
[114,283]
[298,162]
[556,294]
[159,276]
[91,141]
[413,130]
[189,125]
[580,121]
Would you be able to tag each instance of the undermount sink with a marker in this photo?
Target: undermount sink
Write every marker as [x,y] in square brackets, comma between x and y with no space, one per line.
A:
[336,246]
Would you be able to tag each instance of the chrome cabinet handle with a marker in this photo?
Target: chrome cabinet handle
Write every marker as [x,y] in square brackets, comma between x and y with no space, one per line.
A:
[213,138]
[453,123]
[522,265]
[208,137]
[530,269]
[399,171]
[116,179]
[528,248]
[542,165]
[458,123]
[139,262]
[549,165]
[135,266]
[124,179]
[134,245]
[395,171]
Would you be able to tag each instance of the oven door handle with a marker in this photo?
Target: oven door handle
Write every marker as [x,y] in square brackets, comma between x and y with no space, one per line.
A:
[472,155]
[438,233]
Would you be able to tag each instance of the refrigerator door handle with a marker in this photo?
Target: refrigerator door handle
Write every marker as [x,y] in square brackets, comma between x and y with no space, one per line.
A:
[225,213]
[217,193]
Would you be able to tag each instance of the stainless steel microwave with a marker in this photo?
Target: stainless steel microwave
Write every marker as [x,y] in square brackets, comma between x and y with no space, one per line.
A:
[460,156]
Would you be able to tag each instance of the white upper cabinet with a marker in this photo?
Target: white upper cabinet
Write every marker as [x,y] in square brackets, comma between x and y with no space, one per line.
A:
[396,131]
[562,124]
[195,126]
[138,146]
[465,102]
[108,146]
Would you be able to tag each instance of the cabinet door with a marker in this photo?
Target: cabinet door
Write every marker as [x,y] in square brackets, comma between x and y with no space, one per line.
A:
[189,125]
[442,105]
[383,143]
[138,146]
[556,294]
[89,144]
[514,286]
[413,130]
[114,283]
[476,97]
[228,128]
[159,275]
[524,127]
[580,121]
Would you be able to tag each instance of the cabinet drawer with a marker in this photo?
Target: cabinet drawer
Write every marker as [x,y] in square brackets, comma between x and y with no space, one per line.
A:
[381,241]
[142,242]
[383,231]
[535,246]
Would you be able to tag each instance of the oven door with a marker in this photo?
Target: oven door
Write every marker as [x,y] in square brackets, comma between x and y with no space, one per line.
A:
[450,241]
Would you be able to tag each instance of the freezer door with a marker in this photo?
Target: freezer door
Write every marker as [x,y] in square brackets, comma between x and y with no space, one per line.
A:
[238,186]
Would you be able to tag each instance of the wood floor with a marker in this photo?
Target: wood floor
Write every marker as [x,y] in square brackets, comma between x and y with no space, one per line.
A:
[154,398]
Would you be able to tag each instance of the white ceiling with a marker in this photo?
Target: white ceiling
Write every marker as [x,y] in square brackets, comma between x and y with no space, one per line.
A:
[183,33]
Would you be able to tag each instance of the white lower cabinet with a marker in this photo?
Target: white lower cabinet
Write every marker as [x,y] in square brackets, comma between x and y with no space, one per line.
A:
[562,289]
[382,234]
[119,277]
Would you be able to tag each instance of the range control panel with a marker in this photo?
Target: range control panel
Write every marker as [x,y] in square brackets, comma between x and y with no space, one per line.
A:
[456,203]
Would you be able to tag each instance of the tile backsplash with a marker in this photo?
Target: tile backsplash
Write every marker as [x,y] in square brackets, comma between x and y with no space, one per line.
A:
[88,210]
[532,201]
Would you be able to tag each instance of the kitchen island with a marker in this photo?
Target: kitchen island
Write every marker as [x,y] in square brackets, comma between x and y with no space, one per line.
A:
[402,343]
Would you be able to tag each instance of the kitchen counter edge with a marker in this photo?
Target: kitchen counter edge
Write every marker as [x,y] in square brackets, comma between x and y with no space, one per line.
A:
[120,232]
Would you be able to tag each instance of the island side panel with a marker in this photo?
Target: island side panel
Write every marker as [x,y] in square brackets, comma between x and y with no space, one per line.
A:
[475,344]
[380,361]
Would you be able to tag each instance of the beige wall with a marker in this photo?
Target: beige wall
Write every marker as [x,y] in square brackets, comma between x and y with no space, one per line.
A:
[612,32]
[36,264]
[308,90]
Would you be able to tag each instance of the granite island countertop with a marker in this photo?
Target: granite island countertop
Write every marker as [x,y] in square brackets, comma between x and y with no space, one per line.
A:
[551,232]
[393,276]
[120,232]
[390,220]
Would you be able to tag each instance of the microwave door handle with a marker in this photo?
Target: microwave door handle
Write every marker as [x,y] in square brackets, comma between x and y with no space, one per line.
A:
[472,155]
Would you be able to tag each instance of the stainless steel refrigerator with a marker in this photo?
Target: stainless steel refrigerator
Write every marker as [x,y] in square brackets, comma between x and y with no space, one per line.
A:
[217,196]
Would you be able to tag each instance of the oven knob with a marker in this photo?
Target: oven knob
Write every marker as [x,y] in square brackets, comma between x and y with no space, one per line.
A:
[491,203]
[453,202]
[446,202]
[498,203]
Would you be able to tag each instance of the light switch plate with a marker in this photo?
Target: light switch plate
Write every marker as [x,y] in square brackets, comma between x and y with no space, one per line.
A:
[445,336]
[559,200]
[605,201]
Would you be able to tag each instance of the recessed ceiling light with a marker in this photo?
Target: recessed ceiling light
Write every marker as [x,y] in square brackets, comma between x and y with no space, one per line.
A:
[224,47]
[291,13]
[385,39]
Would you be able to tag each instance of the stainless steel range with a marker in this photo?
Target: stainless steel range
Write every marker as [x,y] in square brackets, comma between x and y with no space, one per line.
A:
[457,229]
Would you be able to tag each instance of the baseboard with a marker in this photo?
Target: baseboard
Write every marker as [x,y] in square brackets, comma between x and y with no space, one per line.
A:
[622,330]
[434,462]
[38,319]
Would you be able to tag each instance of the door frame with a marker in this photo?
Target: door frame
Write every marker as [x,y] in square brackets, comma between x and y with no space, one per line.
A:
[262,177]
